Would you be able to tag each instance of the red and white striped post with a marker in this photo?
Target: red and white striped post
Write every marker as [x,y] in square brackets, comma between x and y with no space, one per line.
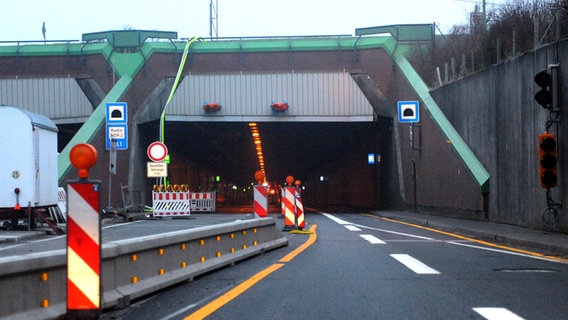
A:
[289,205]
[261,200]
[300,220]
[83,238]
[260,196]
[290,209]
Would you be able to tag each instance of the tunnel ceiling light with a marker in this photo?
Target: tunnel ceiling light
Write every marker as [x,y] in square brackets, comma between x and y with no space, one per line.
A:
[258,146]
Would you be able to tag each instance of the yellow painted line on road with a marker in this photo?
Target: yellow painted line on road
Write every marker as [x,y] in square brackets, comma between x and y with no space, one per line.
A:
[301,248]
[486,243]
[247,284]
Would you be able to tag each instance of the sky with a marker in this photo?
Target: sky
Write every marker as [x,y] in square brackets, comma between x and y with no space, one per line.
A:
[69,19]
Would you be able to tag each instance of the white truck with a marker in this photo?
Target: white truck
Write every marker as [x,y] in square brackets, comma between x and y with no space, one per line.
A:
[28,167]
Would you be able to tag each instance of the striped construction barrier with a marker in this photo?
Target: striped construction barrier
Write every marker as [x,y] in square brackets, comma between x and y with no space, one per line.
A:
[202,201]
[289,208]
[62,200]
[282,201]
[83,250]
[300,220]
[170,204]
[260,200]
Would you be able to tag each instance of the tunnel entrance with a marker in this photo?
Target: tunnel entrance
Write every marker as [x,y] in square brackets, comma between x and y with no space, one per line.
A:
[330,158]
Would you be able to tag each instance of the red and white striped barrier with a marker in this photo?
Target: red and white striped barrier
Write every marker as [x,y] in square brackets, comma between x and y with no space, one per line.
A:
[289,208]
[62,200]
[261,200]
[83,249]
[300,221]
[170,204]
[282,201]
[202,201]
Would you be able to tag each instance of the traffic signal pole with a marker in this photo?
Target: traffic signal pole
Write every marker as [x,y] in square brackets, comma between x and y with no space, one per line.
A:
[548,96]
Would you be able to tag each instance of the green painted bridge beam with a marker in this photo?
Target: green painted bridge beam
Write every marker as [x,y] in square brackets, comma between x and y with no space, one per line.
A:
[470,160]
[126,66]
[92,126]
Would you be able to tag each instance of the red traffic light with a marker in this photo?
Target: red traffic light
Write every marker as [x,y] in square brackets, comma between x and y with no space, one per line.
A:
[548,158]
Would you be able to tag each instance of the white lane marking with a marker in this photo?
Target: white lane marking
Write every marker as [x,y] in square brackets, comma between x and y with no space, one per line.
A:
[352,228]
[343,222]
[31,242]
[336,219]
[455,242]
[372,239]
[505,252]
[122,224]
[497,314]
[397,233]
[414,264]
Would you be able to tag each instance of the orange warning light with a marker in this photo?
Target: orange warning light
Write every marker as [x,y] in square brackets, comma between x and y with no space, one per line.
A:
[298,183]
[289,180]
[83,156]
[259,176]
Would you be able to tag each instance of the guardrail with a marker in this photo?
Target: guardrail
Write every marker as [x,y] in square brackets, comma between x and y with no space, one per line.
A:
[33,286]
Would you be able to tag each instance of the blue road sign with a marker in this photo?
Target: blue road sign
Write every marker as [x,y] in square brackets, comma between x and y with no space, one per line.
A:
[408,112]
[118,132]
[116,112]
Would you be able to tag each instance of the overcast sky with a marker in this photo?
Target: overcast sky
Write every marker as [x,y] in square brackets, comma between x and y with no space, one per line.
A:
[69,19]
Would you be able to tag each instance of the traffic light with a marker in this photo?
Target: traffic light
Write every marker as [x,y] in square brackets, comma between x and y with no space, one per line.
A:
[543,97]
[548,158]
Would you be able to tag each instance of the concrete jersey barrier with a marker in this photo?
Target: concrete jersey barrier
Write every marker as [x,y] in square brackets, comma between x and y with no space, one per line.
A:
[133,267]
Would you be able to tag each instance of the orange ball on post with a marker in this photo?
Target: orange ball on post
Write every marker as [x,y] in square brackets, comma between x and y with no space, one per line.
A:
[289,180]
[83,156]
[259,176]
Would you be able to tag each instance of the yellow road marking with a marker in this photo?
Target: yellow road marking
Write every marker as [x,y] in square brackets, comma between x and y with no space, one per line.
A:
[247,284]
[489,244]
[301,248]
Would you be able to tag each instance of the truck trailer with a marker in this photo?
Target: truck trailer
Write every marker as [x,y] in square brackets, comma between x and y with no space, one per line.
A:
[28,167]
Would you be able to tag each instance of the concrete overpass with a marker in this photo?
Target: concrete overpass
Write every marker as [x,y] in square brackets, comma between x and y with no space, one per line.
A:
[342,93]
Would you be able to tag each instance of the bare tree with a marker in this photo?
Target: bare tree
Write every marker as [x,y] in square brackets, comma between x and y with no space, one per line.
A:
[510,29]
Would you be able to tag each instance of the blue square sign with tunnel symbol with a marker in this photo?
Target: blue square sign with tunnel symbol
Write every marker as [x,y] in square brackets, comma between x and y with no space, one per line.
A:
[116,112]
[408,112]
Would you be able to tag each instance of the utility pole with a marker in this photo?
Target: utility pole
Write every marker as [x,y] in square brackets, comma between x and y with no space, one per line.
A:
[214,19]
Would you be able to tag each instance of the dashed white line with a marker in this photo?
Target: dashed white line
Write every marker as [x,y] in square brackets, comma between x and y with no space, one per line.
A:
[334,218]
[352,228]
[497,314]
[372,239]
[414,264]
[343,222]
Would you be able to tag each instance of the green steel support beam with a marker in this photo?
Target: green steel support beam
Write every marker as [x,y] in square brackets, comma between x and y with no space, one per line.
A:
[126,65]
[92,126]
[475,167]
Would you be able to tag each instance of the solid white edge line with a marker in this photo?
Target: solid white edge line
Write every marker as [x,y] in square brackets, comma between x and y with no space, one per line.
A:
[505,252]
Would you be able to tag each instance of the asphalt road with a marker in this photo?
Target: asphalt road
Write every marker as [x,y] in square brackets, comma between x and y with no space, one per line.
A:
[363,267]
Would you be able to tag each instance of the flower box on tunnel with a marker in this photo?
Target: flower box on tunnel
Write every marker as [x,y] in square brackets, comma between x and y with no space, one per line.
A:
[212,107]
[279,107]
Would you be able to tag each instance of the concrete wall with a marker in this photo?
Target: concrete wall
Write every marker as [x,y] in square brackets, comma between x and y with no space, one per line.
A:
[495,113]
[433,177]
